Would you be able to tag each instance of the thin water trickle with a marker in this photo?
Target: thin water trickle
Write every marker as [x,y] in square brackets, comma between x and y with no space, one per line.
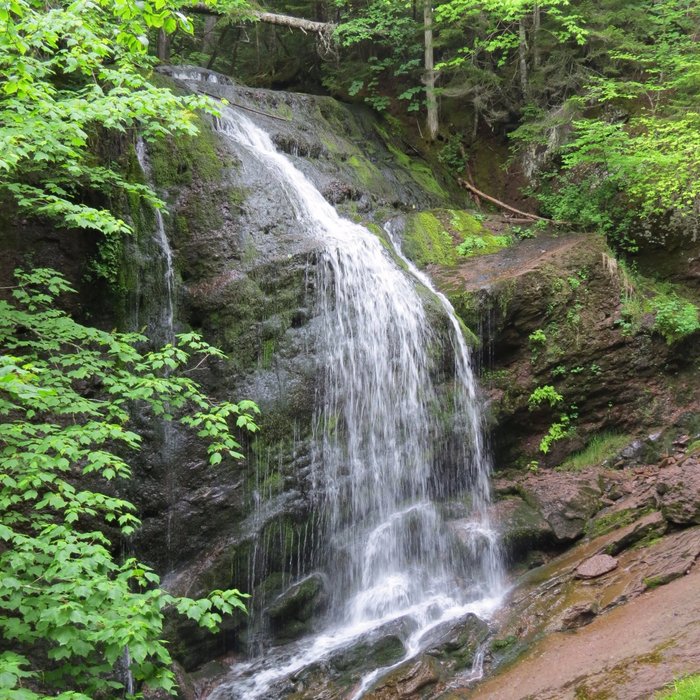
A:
[166,326]
[382,425]
[162,331]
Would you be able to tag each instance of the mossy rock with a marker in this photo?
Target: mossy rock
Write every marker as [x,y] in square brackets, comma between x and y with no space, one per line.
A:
[298,602]
[186,159]
[445,236]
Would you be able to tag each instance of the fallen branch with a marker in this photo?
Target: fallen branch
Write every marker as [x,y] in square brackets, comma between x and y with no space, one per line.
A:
[306,25]
[248,109]
[507,207]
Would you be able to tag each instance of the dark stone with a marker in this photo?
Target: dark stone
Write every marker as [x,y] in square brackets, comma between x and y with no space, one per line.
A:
[408,682]
[290,612]
[379,647]
[455,643]
[521,527]
[566,501]
[648,526]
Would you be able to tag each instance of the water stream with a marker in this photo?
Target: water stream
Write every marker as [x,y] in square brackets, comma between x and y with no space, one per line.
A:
[395,438]
[164,330]
[161,330]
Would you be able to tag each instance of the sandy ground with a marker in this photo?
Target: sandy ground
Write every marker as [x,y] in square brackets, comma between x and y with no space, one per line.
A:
[623,655]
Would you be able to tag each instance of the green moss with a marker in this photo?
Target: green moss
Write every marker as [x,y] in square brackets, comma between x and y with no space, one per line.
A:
[442,236]
[503,643]
[420,171]
[178,161]
[611,521]
[483,245]
[426,241]
[268,349]
[466,223]
[366,172]
[272,484]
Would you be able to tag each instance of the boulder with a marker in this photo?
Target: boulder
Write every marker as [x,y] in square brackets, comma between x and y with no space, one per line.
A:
[678,490]
[578,615]
[522,527]
[291,611]
[648,526]
[565,500]
[596,566]
[379,647]
[408,682]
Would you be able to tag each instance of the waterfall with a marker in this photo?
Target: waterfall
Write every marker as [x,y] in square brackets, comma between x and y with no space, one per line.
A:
[165,330]
[389,446]
[160,320]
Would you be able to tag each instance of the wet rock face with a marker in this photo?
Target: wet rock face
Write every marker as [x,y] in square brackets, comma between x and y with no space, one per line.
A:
[566,502]
[551,312]
[522,527]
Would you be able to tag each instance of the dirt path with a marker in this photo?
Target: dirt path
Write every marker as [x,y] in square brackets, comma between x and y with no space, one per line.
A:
[625,654]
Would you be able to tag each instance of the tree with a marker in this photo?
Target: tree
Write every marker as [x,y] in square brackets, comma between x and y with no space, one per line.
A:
[431,104]
[631,167]
[69,609]
[74,70]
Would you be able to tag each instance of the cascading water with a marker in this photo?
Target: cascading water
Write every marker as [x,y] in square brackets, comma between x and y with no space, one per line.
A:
[160,321]
[384,433]
[165,325]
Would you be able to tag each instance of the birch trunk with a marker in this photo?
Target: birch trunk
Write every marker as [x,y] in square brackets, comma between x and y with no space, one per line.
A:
[430,98]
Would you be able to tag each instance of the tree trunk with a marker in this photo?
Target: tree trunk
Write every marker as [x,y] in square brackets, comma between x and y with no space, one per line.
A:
[536,23]
[163,46]
[430,98]
[522,53]
[209,37]
[306,25]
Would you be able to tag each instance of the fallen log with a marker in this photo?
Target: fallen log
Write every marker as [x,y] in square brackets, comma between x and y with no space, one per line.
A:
[525,214]
[247,109]
[306,25]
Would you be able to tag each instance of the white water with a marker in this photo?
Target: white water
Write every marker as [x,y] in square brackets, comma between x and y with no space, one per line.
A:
[384,433]
[166,325]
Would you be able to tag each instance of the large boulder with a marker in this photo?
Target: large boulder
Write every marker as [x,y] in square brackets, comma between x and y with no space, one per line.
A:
[678,491]
[566,501]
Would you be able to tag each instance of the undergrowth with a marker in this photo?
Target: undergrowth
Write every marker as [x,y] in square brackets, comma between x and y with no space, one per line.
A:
[601,447]
[684,689]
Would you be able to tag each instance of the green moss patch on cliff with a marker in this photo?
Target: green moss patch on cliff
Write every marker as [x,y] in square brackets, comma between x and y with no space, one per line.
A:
[183,160]
[444,236]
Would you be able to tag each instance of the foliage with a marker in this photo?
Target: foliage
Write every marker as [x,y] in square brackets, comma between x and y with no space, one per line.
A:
[557,431]
[600,448]
[537,337]
[632,164]
[618,175]
[391,37]
[68,608]
[687,688]
[73,71]
[544,394]
[482,245]
[675,318]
